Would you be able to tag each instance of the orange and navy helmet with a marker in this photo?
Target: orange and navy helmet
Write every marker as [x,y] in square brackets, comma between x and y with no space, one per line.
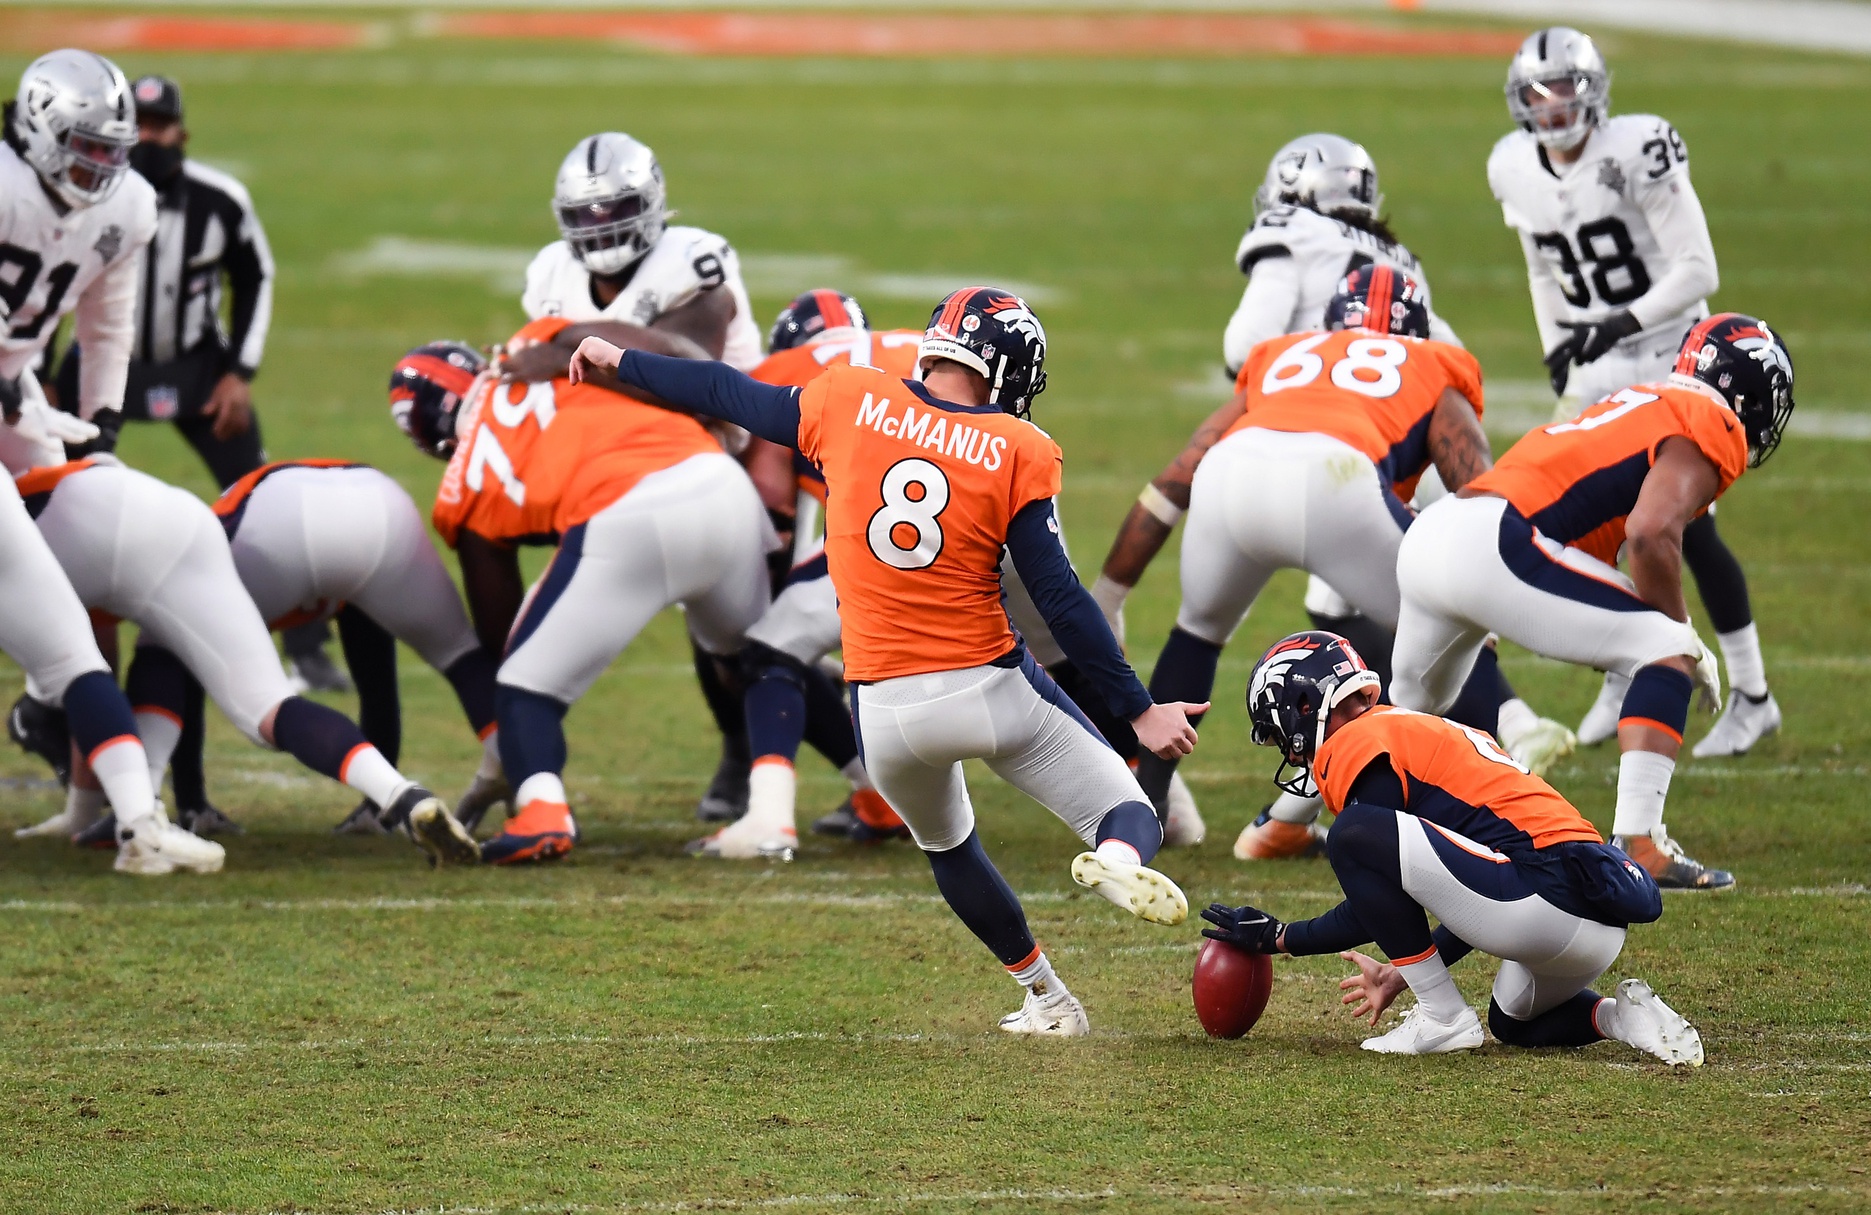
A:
[426,391]
[1747,363]
[1291,695]
[1378,298]
[811,315]
[994,333]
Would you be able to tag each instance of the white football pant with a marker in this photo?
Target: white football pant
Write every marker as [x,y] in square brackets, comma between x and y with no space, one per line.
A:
[802,622]
[694,534]
[43,623]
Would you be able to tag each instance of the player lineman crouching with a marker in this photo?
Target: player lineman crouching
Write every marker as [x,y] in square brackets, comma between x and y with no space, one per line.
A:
[155,555]
[1528,551]
[1434,817]
[926,484]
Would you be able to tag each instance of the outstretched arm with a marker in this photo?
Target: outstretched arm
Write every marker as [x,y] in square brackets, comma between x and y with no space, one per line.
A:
[1457,445]
[1679,486]
[713,389]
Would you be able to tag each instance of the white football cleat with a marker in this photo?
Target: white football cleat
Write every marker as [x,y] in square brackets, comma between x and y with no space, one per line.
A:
[745,840]
[1650,1025]
[1541,745]
[63,825]
[1601,720]
[1182,826]
[153,846]
[1417,1034]
[1055,1016]
[1742,724]
[1138,889]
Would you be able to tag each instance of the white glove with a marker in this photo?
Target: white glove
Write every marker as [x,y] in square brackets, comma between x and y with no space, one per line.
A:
[1110,598]
[1708,677]
[40,423]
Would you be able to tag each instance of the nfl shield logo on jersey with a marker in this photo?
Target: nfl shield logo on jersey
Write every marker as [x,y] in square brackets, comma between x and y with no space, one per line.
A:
[163,402]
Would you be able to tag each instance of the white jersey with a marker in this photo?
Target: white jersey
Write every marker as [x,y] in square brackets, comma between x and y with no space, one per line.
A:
[1619,228]
[86,259]
[684,263]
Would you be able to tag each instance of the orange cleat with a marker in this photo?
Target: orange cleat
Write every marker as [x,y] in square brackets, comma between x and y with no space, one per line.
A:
[1269,839]
[876,821]
[541,831]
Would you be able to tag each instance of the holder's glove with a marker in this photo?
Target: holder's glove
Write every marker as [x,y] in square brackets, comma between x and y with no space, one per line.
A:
[1247,928]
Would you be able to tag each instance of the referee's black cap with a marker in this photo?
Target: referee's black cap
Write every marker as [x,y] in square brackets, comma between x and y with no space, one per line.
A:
[157,97]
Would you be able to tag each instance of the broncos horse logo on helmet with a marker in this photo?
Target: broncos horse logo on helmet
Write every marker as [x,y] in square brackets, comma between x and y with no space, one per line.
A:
[426,391]
[1290,698]
[994,333]
[1747,363]
[813,314]
[1378,298]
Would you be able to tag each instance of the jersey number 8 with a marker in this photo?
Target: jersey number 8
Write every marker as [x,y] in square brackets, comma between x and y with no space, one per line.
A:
[903,533]
[1369,367]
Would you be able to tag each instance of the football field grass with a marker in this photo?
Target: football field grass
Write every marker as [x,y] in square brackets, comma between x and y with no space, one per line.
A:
[330,1026]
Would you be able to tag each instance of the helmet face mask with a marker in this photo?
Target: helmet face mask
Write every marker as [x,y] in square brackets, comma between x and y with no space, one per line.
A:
[427,390]
[1291,695]
[1325,173]
[76,121]
[610,203]
[1558,87]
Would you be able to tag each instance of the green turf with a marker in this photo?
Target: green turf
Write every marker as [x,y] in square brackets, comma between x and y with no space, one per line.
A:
[328,1026]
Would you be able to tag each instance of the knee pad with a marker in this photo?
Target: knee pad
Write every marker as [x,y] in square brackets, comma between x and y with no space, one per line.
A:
[1659,696]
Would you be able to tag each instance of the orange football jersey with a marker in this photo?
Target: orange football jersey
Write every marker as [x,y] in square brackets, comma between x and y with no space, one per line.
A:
[1577,481]
[893,350]
[535,459]
[920,493]
[1451,775]
[233,499]
[1371,391]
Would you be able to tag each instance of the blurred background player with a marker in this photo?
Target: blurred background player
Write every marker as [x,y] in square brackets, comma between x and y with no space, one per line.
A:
[1529,551]
[647,512]
[926,485]
[1434,817]
[1620,264]
[619,259]
[1309,466]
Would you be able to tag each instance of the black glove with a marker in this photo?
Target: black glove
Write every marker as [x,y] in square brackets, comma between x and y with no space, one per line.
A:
[108,423]
[1592,341]
[1559,366]
[11,397]
[1247,928]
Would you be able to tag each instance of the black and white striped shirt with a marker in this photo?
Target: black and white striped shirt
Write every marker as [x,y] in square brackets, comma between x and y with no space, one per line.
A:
[205,227]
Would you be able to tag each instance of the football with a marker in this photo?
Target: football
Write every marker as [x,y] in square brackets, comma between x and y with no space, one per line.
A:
[1231,988]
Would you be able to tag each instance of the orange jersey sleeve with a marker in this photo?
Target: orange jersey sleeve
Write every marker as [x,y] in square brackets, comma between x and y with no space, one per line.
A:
[1577,481]
[892,351]
[919,496]
[1374,392]
[1451,775]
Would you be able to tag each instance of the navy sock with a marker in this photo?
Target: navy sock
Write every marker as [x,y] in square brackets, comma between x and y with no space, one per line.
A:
[1135,824]
[1570,1024]
[318,737]
[157,680]
[532,733]
[1478,705]
[1372,640]
[472,677]
[775,706]
[1659,696]
[97,710]
[1185,671]
[828,719]
[370,653]
[1363,849]
[981,898]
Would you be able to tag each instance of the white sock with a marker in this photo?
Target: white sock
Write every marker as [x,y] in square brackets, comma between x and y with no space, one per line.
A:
[1643,784]
[1037,977]
[1605,1019]
[1290,809]
[122,767]
[772,792]
[855,773]
[1517,717]
[540,787]
[367,771]
[1117,850]
[1434,989]
[1741,653]
[490,756]
[160,731]
[83,806]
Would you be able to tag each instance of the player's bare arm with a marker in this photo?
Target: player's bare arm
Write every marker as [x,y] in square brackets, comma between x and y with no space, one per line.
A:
[703,320]
[1457,445]
[1153,516]
[1680,485]
[490,576]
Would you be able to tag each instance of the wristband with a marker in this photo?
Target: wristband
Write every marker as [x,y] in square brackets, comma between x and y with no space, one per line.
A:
[1160,507]
[1109,593]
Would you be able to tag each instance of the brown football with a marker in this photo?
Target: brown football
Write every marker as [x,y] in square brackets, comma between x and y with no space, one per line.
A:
[1231,988]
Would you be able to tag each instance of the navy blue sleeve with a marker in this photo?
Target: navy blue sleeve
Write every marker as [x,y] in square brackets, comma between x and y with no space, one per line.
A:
[1334,932]
[1069,610]
[717,391]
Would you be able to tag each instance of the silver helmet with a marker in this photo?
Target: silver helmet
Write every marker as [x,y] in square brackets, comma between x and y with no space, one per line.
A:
[1558,87]
[610,202]
[77,122]
[1323,173]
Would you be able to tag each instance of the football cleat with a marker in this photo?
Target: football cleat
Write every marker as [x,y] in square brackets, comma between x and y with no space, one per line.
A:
[314,671]
[366,819]
[101,834]
[1417,1034]
[541,831]
[1742,724]
[154,846]
[1600,723]
[1650,1025]
[484,793]
[1138,889]
[1269,839]
[1663,858]
[747,841]
[1049,1016]
[726,799]
[875,820]
[41,729]
[426,818]
[838,823]
[62,825]
[1182,825]
[206,821]
[1541,745]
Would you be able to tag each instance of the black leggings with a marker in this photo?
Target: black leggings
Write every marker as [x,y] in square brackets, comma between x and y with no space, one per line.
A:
[1718,575]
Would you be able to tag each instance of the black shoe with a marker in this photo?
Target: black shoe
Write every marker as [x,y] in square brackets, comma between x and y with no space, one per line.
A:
[427,820]
[101,834]
[483,795]
[726,799]
[840,823]
[367,819]
[207,822]
[314,671]
[42,730]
